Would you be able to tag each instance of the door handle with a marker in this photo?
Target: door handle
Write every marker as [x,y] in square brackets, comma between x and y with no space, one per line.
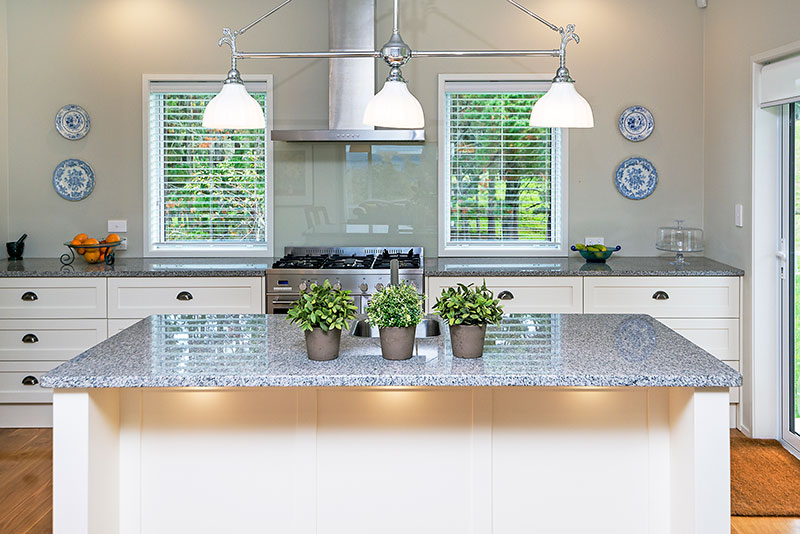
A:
[505,295]
[30,338]
[184,295]
[30,296]
[660,295]
[30,381]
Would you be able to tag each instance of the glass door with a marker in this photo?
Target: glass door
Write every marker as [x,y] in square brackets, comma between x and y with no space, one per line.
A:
[789,246]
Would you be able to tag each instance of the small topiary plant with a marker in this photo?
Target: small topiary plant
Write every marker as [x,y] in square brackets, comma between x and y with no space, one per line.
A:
[397,306]
[468,305]
[324,307]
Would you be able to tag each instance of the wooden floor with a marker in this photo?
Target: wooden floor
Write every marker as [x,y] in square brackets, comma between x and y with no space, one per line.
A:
[26,490]
[26,476]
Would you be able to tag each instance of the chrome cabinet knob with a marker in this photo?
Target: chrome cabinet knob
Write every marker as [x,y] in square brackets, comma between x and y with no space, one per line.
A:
[185,296]
[30,338]
[30,296]
[506,295]
[363,287]
[660,295]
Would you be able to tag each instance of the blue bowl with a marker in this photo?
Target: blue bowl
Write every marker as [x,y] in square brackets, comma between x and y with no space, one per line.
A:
[597,257]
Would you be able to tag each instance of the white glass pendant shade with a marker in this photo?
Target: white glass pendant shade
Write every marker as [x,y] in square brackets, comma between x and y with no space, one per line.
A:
[233,109]
[562,107]
[394,107]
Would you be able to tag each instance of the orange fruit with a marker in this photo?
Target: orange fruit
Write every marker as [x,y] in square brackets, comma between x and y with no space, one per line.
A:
[103,250]
[102,257]
[81,237]
[92,255]
[113,238]
[91,241]
[75,243]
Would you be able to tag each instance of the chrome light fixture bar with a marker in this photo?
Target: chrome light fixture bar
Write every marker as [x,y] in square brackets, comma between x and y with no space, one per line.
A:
[394,106]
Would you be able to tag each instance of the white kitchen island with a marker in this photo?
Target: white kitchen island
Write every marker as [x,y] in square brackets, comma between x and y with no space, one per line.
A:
[570,423]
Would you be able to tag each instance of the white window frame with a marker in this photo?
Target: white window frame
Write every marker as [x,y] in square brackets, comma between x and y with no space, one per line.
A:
[263,83]
[444,200]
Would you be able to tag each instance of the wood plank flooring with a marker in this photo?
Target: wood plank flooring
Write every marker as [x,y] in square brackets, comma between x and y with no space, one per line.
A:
[26,490]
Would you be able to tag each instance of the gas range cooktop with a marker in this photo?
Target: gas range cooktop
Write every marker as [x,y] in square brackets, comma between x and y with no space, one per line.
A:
[347,258]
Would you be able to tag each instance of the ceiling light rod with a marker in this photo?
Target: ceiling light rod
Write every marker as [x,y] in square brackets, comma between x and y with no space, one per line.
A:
[396,50]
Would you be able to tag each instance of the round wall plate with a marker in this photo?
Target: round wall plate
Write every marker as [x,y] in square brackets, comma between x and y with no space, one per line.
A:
[636,123]
[636,178]
[72,122]
[73,179]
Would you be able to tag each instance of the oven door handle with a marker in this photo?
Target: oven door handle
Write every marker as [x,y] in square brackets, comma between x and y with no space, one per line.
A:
[280,302]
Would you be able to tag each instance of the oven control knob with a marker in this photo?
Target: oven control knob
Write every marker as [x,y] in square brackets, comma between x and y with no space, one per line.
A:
[364,287]
[303,286]
[337,286]
[378,286]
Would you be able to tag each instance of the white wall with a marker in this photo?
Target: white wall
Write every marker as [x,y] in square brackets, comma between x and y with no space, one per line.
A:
[656,62]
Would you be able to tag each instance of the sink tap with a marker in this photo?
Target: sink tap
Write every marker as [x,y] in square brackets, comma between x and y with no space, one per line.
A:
[394,277]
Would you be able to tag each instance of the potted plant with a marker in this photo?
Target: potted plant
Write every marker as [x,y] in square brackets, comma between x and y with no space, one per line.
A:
[322,312]
[396,310]
[467,310]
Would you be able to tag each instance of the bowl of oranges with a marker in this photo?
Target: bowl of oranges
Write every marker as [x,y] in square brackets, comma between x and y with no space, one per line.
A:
[92,250]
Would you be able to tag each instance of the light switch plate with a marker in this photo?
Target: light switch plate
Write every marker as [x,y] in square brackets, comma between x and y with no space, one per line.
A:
[118,226]
[594,241]
[738,216]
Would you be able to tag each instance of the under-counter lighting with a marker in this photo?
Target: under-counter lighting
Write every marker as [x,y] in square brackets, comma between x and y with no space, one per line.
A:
[394,106]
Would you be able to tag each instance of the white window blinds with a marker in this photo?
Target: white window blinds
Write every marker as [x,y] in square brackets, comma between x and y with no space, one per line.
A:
[207,188]
[502,176]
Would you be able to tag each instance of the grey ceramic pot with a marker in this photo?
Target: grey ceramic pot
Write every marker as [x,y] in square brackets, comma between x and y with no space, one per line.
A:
[321,345]
[467,340]
[397,343]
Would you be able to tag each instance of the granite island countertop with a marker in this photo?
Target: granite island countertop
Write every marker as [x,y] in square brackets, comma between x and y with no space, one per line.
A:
[577,266]
[267,351]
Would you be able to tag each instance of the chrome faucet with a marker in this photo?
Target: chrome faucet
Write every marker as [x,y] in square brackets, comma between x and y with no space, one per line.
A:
[394,277]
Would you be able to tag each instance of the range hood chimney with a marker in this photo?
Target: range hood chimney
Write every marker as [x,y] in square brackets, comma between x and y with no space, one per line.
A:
[351,81]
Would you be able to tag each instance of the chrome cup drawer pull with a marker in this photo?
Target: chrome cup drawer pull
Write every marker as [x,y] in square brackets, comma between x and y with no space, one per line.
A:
[30,381]
[30,296]
[505,295]
[660,295]
[184,295]
[30,338]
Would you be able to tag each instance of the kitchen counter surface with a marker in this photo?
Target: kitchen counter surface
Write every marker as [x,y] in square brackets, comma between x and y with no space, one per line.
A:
[267,351]
[137,267]
[577,266]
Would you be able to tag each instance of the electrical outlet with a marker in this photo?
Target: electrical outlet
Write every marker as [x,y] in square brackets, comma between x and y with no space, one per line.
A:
[118,226]
[124,244]
[594,241]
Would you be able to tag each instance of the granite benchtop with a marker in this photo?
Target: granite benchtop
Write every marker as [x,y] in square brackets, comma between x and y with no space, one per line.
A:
[267,351]
[434,267]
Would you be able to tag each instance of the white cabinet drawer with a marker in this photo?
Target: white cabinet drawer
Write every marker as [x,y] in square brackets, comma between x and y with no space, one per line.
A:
[51,298]
[19,382]
[130,298]
[49,339]
[663,296]
[543,294]
[720,337]
[115,326]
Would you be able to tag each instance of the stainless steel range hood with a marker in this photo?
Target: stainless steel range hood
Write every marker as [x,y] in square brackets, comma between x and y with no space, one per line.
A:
[351,81]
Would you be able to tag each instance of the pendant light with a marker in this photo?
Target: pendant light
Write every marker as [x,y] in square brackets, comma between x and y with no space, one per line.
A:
[233,108]
[394,106]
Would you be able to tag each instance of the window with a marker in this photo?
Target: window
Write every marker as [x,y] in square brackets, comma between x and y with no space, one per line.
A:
[502,183]
[207,190]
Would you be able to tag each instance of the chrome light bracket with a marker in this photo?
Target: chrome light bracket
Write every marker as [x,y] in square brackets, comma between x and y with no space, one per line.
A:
[229,38]
[562,74]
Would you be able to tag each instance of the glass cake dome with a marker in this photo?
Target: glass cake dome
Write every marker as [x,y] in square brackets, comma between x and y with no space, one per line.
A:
[680,239]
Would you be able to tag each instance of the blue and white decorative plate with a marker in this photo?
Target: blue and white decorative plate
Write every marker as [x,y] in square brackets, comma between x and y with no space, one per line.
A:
[73,179]
[636,123]
[72,122]
[636,178]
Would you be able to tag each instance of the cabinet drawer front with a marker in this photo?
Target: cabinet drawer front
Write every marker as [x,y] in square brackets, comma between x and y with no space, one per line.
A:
[526,294]
[130,298]
[52,298]
[15,375]
[115,326]
[664,296]
[49,340]
[720,337]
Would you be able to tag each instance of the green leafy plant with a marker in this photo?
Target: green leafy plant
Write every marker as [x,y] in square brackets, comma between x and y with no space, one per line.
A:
[468,305]
[395,306]
[323,306]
